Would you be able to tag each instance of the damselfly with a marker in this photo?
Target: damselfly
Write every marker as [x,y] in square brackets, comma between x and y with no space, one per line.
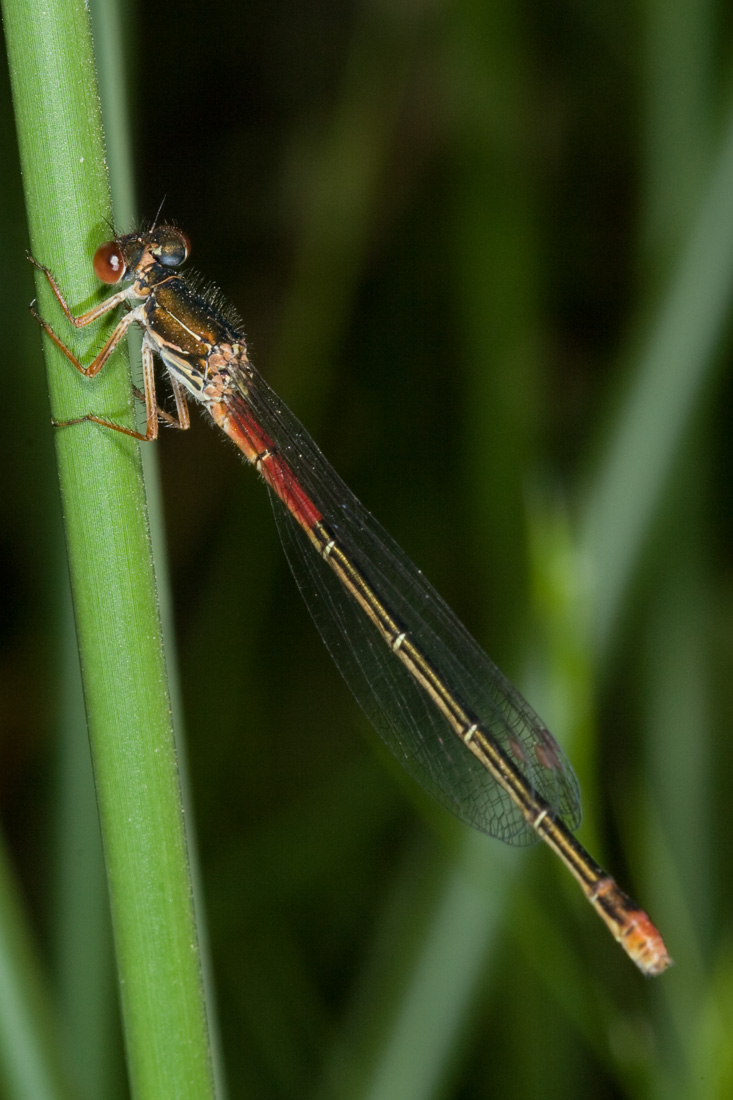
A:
[449,715]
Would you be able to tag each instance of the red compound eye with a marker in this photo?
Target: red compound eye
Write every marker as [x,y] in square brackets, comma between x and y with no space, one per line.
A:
[109,266]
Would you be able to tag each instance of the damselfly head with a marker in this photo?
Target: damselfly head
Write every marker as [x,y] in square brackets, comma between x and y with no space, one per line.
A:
[131,254]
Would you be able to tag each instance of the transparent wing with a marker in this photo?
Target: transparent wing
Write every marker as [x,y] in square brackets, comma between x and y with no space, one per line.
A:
[401,711]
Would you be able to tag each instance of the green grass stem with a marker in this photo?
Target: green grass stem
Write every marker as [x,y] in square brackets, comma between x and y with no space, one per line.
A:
[111,568]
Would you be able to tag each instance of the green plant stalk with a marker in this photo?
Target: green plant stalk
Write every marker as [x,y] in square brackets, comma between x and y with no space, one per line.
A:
[111,569]
[675,365]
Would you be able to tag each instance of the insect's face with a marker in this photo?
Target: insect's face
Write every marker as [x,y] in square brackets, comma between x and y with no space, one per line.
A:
[131,256]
